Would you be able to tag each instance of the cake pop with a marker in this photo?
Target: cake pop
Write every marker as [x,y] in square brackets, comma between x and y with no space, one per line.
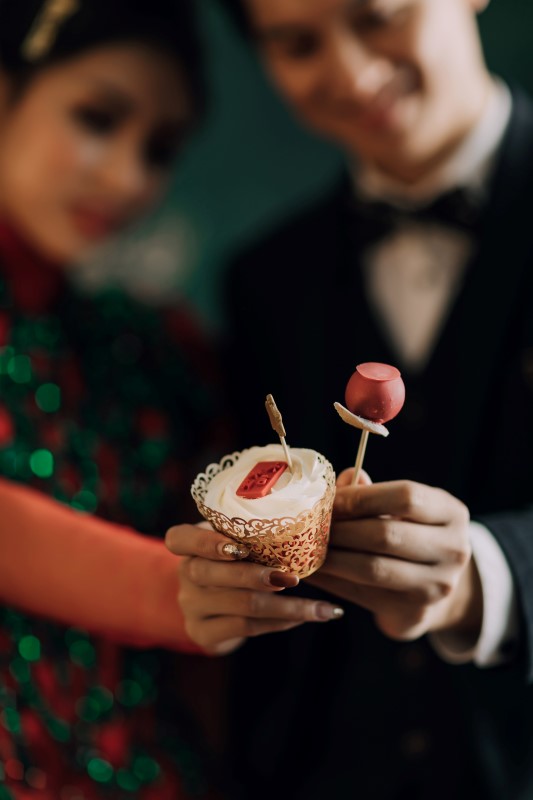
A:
[375,394]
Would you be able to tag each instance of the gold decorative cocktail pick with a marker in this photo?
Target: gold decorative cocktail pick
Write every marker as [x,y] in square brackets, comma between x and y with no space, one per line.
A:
[45,28]
[276,421]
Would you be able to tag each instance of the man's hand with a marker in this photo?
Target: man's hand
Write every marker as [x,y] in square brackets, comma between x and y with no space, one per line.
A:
[401,550]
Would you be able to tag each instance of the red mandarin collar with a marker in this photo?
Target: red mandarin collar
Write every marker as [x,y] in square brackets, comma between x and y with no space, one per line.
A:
[34,281]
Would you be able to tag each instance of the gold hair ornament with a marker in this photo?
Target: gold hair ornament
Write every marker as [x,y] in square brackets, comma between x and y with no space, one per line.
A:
[44,31]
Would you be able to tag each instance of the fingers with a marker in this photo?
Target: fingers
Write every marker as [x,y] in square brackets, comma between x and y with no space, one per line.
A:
[419,582]
[346,477]
[262,605]
[224,603]
[339,588]
[223,633]
[242,589]
[189,540]
[393,537]
[219,619]
[397,615]
[378,601]
[243,575]
[405,499]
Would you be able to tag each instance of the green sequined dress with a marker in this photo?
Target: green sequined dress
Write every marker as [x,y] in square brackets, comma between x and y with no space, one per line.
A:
[108,406]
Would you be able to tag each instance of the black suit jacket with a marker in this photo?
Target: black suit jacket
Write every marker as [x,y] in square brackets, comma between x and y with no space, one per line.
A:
[340,711]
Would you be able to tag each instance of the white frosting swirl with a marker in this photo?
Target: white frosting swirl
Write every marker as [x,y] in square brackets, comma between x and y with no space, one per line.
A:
[293,493]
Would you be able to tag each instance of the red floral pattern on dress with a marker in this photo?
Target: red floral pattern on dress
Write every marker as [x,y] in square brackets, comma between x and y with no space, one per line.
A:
[105,407]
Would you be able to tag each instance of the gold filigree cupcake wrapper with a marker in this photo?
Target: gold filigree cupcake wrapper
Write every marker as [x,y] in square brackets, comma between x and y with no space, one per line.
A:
[292,544]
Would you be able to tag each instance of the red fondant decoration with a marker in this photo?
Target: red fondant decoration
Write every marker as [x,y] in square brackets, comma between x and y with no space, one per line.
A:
[375,392]
[261,479]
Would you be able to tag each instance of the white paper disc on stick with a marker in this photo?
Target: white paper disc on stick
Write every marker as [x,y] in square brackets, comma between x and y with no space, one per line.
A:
[360,422]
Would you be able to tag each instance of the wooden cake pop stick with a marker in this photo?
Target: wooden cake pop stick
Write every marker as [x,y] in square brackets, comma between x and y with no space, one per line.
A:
[360,456]
[276,421]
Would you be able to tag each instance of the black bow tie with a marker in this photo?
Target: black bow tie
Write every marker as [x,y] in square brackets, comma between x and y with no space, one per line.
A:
[459,209]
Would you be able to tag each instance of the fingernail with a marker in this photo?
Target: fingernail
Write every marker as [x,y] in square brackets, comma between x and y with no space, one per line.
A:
[326,612]
[282,580]
[232,550]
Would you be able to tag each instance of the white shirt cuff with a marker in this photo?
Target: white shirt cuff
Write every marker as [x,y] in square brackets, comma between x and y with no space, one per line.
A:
[499,626]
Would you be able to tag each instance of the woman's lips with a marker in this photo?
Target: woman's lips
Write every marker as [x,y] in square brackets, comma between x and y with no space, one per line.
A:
[94,224]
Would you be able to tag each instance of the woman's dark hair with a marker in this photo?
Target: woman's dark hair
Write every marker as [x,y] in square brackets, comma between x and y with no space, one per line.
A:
[35,34]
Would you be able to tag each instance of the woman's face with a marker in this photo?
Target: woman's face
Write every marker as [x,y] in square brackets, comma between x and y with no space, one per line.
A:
[88,146]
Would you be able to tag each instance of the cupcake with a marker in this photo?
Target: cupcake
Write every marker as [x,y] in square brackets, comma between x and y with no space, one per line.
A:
[281,513]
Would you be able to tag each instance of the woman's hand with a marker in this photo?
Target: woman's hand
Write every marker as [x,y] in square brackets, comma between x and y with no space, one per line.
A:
[401,550]
[225,600]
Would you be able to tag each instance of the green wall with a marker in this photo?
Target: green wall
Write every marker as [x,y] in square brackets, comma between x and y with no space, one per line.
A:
[252,163]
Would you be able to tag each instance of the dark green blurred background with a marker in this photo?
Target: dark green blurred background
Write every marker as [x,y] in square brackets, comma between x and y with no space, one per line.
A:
[252,164]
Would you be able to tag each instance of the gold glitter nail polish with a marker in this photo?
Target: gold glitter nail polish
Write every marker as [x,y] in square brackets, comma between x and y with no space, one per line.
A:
[234,550]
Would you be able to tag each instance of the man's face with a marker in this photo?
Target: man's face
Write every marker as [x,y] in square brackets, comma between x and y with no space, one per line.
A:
[390,80]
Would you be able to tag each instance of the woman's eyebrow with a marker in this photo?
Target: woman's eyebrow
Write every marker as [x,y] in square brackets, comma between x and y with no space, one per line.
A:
[124,103]
[112,93]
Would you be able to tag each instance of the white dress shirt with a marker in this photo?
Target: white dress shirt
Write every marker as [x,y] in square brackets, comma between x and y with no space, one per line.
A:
[412,279]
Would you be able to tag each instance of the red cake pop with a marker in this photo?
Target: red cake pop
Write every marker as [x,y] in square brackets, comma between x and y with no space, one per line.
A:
[375,394]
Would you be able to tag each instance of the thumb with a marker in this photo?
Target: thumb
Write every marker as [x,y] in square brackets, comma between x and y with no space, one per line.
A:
[346,477]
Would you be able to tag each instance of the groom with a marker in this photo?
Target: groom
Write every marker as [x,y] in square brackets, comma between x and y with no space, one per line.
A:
[421,256]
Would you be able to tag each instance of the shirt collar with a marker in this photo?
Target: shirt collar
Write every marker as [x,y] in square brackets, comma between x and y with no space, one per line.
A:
[468,167]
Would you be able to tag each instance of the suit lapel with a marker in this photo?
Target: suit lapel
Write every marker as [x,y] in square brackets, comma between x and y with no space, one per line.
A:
[473,341]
